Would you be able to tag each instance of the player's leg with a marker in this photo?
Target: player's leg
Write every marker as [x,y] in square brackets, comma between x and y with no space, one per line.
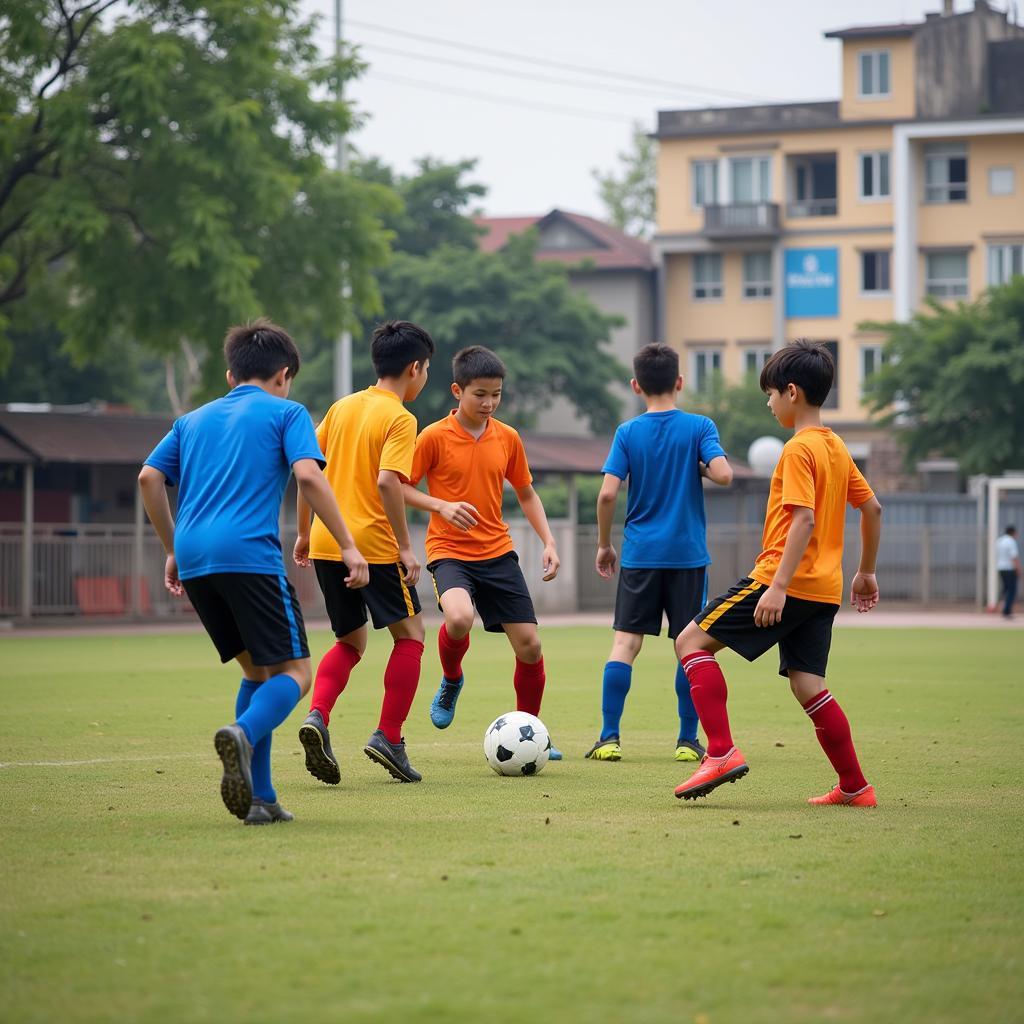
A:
[529,677]
[684,594]
[394,604]
[453,586]
[615,684]
[803,658]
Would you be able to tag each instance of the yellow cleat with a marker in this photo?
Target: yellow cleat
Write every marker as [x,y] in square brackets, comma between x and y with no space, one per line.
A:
[605,750]
[687,751]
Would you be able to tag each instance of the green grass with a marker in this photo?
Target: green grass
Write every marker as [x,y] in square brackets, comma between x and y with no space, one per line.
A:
[586,893]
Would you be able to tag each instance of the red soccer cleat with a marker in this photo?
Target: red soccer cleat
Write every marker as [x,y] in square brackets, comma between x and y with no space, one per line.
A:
[862,798]
[712,773]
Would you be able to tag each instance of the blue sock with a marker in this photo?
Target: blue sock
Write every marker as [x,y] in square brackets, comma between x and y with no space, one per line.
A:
[688,720]
[261,784]
[270,704]
[617,678]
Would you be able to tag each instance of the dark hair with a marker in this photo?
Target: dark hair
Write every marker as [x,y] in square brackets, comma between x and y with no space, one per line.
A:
[397,343]
[476,363]
[656,369]
[1010,529]
[257,350]
[805,363]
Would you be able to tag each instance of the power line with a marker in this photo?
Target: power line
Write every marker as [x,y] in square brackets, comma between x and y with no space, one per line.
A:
[560,65]
[507,101]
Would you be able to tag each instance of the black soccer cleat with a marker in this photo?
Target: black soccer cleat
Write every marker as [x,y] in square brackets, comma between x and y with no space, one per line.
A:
[391,756]
[316,742]
[264,813]
[235,752]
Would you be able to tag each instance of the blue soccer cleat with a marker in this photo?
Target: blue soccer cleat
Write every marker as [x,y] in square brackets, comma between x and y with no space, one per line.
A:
[442,707]
[554,754]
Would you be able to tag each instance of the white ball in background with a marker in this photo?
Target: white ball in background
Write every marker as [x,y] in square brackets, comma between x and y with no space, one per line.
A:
[763,454]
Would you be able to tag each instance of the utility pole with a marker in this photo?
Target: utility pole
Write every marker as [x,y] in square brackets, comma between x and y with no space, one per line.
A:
[343,344]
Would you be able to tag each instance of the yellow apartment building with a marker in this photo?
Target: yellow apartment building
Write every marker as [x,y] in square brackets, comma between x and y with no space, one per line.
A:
[808,219]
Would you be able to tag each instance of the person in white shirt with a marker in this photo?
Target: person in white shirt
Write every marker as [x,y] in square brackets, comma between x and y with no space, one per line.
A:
[1008,565]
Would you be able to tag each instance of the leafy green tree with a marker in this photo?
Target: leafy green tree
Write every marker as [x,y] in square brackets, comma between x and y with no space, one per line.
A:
[739,411]
[630,195]
[953,380]
[162,160]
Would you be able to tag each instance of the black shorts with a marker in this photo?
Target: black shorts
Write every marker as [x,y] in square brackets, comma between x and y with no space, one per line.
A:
[644,595]
[496,586]
[804,635]
[249,611]
[387,596]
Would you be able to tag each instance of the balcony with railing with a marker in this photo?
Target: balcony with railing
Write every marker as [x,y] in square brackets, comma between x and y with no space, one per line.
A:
[812,185]
[741,220]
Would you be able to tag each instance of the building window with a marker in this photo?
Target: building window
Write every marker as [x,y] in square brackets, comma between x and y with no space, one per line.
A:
[705,182]
[757,275]
[1000,181]
[707,275]
[946,274]
[832,398]
[873,74]
[945,174]
[874,175]
[755,358]
[705,365]
[750,179]
[872,359]
[1004,262]
[812,185]
[874,272]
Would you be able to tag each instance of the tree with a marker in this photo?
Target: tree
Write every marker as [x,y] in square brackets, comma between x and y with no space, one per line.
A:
[630,196]
[953,378]
[739,411]
[163,175]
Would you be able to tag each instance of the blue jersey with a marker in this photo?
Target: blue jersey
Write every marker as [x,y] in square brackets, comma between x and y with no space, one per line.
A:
[658,453]
[231,460]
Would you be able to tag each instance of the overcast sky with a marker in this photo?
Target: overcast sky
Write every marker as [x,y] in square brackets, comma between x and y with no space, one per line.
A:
[447,78]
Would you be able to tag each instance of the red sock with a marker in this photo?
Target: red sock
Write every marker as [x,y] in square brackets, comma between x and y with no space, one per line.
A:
[833,732]
[401,677]
[451,653]
[332,677]
[529,684]
[709,693]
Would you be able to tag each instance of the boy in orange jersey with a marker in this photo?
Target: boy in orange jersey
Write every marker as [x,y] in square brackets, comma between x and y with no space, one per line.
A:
[466,459]
[368,440]
[796,585]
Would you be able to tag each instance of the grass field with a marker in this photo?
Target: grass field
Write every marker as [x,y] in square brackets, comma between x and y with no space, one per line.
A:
[587,893]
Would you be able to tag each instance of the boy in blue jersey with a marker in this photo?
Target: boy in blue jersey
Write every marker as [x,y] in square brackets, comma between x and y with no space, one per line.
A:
[230,460]
[663,453]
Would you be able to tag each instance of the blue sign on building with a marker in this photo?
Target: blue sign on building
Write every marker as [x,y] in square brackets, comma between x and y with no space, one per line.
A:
[812,282]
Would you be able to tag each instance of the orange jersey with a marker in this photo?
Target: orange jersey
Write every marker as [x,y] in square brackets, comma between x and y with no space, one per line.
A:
[460,467]
[816,472]
[361,435]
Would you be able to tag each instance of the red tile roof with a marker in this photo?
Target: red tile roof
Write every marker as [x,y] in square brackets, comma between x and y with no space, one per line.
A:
[612,249]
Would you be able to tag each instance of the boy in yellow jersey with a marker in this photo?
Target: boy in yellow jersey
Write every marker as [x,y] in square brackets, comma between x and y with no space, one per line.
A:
[795,588]
[368,440]
[466,459]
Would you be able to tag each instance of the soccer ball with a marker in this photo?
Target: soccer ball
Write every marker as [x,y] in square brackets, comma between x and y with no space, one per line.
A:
[517,744]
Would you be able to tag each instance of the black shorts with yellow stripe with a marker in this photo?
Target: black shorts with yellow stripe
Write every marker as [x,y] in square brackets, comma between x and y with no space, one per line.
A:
[804,634]
[387,597]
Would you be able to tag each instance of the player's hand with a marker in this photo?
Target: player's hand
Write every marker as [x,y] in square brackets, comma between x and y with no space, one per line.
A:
[358,571]
[300,553]
[410,566]
[551,563]
[605,562]
[769,609]
[171,580]
[460,514]
[864,591]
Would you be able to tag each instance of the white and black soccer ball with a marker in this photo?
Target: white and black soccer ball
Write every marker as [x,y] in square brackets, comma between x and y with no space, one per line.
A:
[517,744]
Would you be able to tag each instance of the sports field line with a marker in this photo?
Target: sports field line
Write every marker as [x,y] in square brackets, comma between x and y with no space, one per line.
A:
[99,760]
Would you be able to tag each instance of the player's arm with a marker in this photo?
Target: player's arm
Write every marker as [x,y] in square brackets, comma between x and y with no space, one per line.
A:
[391,487]
[606,500]
[533,509]
[718,471]
[458,513]
[315,495]
[864,589]
[153,485]
[773,600]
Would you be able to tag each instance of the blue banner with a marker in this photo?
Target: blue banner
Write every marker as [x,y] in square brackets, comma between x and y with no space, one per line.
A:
[812,282]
